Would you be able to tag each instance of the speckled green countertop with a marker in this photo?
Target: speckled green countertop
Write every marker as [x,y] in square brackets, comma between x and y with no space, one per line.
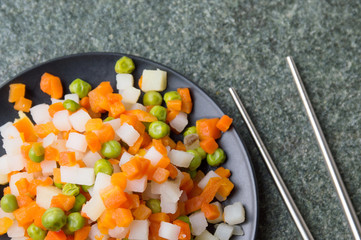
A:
[226,43]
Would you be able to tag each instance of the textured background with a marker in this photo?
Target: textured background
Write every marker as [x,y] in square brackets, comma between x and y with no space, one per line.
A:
[225,43]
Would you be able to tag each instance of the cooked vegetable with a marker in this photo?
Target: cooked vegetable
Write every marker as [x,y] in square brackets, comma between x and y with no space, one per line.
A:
[153,80]
[196,161]
[80,87]
[108,119]
[159,112]
[103,166]
[71,189]
[71,105]
[172,95]
[152,98]
[74,222]
[154,205]
[35,232]
[124,65]
[224,123]
[158,129]
[53,219]
[17,91]
[80,199]
[9,203]
[37,153]
[111,149]
[217,158]
[190,130]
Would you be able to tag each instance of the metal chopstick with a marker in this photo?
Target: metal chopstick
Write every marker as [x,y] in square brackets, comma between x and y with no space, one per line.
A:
[330,162]
[287,198]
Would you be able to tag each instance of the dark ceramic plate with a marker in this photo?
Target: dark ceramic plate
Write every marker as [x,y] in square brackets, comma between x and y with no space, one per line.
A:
[97,67]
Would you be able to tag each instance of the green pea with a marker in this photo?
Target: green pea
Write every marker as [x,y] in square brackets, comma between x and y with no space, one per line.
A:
[152,98]
[190,130]
[217,158]
[35,232]
[108,119]
[53,219]
[86,188]
[71,189]
[154,205]
[80,87]
[172,95]
[124,65]
[71,105]
[111,149]
[196,161]
[158,129]
[193,173]
[36,153]
[184,219]
[159,112]
[104,166]
[80,199]
[74,222]
[58,185]
[9,203]
[201,152]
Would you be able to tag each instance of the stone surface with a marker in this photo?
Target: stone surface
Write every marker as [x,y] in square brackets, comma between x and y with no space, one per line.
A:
[225,43]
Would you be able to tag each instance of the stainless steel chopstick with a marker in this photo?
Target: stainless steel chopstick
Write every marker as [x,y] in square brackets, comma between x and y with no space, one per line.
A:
[330,162]
[287,198]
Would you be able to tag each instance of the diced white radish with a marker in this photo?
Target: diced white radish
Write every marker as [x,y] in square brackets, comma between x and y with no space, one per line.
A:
[139,230]
[118,232]
[77,142]
[19,238]
[47,167]
[155,187]
[60,145]
[81,176]
[179,177]
[198,222]
[154,80]
[130,95]
[124,80]
[170,191]
[5,214]
[147,194]
[90,158]
[54,100]
[40,113]
[94,207]
[96,234]
[115,123]
[205,235]
[102,181]
[238,230]
[49,139]
[168,207]
[15,230]
[191,141]
[3,179]
[72,96]
[78,155]
[136,106]
[4,167]
[16,162]
[12,146]
[8,130]
[137,185]
[180,158]
[61,120]
[203,183]
[169,231]
[128,134]
[44,194]
[16,177]
[223,231]
[234,214]
[79,119]
[179,122]
[125,158]
[219,218]
[153,155]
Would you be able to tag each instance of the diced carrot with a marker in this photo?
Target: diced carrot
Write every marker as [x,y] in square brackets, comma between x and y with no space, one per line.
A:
[123,217]
[25,126]
[23,200]
[209,192]
[60,235]
[55,107]
[193,204]
[209,145]
[160,175]
[222,172]
[210,211]
[37,218]
[84,102]
[119,179]
[67,159]
[226,188]
[206,128]
[51,153]
[186,183]
[22,185]
[113,196]
[116,106]
[141,115]
[105,133]
[93,141]
[173,172]
[32,167]
[136,146]
[224,123]
[154,231]
[133,201]
[98,97]
[171,115]
[146,140]
[167,141]
[140,81]
[37,182]
[195,191]
[174,105]
[93,124]
[187,103]
[180,146]
[142,212]
[57,175]
[43,130]
[133,121]
[62,201]
[81,163]
[159,217]
[135,168]
[7,190]
[51,85]
[45,83]
[159,146]
[17,91]
[185,232]
[106,220]
[199,176]
[82,234]
[5,224]
[25,215]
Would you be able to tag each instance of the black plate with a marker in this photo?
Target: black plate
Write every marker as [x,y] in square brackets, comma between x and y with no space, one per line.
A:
[97,67]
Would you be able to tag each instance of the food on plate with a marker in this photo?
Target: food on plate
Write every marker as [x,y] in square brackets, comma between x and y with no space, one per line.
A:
[73,175]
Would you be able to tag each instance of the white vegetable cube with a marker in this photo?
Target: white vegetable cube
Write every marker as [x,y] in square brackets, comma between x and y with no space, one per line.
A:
[115,123]
[124,81]
[130,95]
[137,185]
[16,162]
[40,113]
[8,130]
[79,119]
[96,234]
[170,191]
[12,146]
[139,230]
[224,231]
[49,139]
[169,231]
[180,158]
[168,207]
[128,134]
[153,155]
[136,106]
[147,194]
[198,222]
[47,167]
[179,122]
[77,142]
[3,179]
[155,187]
[72,96]
[90,158]
[238,230]
[102,181]
[54,100]
[219,218]
[81,176]
[16,177]
[125,158]
[94,207]
[4,167]
[5,214]
[44,194]
[154,80]
[61,120]
[234,214]
[205,235]
[118,232]
[15,230]
[203,183]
